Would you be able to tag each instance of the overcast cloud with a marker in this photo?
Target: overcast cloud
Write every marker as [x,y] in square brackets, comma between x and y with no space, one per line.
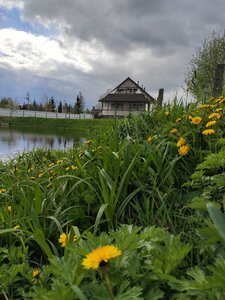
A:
[62,47]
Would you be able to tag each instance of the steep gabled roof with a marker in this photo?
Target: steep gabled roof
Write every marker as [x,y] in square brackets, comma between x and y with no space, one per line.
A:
[132,96]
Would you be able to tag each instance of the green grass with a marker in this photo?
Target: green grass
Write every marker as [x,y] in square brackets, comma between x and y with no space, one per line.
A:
[58,123]
[131,187]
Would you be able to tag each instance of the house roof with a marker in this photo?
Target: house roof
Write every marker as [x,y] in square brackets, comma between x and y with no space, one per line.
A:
[142,96]
[124,98]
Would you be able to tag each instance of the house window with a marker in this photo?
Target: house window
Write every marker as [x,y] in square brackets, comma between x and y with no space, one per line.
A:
[137,106]
[117,106]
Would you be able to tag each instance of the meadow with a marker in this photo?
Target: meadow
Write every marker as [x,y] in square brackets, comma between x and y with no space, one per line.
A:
[135,213]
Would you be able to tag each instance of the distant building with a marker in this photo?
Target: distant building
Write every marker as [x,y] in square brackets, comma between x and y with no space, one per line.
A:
[128,97]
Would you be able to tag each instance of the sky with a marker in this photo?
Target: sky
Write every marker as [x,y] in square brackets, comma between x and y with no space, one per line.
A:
[60,48]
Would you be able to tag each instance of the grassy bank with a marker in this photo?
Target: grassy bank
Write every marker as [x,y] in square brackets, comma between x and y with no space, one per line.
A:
[136,213]
[58,123]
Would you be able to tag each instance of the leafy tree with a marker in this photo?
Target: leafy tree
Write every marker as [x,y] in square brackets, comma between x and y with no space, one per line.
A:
[51,104]
[79,105]
[8,103]
[201,72]
[60,107]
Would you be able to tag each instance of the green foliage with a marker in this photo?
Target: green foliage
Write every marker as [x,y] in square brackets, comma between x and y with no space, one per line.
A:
[133,173]
[201,71]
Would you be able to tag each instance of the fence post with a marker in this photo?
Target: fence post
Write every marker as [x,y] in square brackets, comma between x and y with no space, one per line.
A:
[160,97]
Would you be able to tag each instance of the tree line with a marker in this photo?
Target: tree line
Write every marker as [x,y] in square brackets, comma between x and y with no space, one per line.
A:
[49,105]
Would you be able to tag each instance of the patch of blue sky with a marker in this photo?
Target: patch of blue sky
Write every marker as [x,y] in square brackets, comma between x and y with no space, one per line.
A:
[12,19]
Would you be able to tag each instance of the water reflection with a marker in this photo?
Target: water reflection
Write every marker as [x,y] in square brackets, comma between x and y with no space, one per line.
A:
[14,141]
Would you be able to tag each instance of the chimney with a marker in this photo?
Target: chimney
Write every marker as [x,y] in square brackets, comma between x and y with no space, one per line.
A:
[160,97]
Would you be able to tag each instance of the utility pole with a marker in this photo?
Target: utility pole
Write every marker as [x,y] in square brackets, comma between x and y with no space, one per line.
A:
[28,100]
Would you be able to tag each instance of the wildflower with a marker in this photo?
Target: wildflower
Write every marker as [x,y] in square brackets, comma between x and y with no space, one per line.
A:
[59,161]
[208,131]
[16,227]
[67,168]
[190,117]
[30,169]
[214,115]
[210,124]
[196,120]
[174,130]
[178,120]
[64,239]
[36,273]
[40,175]
[204,106]
[100,255]
[81,154]
[181,142]
[183,150]
[2,190]
[219,109]
[50,178]
[166,113]
[9,208]
[73,167]
[222,101]
[51,165]
[149,139]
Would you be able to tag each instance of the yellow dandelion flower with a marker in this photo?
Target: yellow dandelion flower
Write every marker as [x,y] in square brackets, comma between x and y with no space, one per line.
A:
[190,117]
[59,161]
[208,131]
[149,139]
[81,154]
[73,167]
[9,208]
[40,175]
[214,115]
[174,130]
[100,255]
[64,239]
[196,120]
[2,190]
[67,168]
[222,101]
[219,109]
[166,113]
[16,227]
[183,150]
[204,105]
[51,165]
[210,124]
[181,142]
[36,273]
[30,169]
[178,120]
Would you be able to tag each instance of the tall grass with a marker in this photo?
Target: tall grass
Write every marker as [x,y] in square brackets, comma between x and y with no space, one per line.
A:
[134,174]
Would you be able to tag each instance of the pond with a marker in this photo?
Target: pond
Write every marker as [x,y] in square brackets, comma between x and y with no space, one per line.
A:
[14,141]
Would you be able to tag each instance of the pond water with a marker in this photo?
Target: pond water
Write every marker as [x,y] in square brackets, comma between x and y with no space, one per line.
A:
[14,141]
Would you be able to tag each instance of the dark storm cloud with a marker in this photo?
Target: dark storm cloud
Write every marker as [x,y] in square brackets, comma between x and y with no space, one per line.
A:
[122,25]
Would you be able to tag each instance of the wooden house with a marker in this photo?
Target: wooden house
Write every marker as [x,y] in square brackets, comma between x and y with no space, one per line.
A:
[128,97]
